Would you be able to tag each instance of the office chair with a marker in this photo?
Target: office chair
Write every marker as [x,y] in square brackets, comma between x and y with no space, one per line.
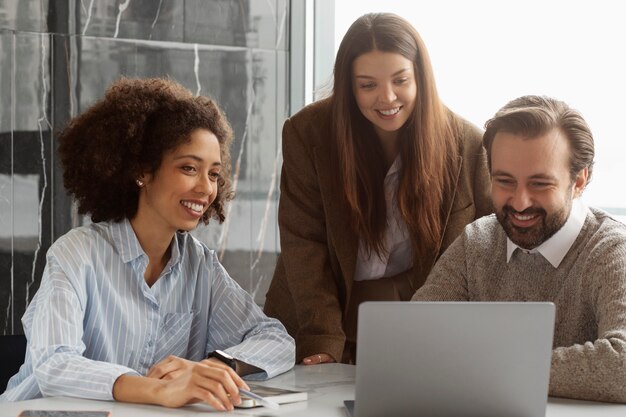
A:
[12,354]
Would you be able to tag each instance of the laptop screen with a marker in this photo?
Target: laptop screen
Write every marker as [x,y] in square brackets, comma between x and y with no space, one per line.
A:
[453,358]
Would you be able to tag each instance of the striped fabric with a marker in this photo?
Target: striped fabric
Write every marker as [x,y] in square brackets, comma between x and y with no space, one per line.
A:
[94,317]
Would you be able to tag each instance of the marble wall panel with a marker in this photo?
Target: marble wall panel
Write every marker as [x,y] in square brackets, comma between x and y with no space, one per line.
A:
[131,19]
[6,183]
[26,171]
[255,24]
[24,15]
[58,57]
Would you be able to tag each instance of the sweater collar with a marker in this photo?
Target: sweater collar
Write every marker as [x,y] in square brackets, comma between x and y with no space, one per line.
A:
[555,248]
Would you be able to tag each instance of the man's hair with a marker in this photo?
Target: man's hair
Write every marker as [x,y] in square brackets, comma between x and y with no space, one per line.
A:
[533,116]
[106,148]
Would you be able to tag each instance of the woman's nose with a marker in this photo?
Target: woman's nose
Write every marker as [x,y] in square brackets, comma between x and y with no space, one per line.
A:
[388,95]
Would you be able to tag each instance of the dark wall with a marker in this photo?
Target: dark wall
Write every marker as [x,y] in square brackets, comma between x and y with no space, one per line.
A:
[58,57]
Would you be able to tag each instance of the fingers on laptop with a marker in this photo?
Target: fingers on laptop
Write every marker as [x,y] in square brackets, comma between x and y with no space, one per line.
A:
[317,359]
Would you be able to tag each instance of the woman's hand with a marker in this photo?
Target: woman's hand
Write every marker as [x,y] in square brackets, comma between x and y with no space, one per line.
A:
[175,382]
[214,383]
[170,368]
[317,359]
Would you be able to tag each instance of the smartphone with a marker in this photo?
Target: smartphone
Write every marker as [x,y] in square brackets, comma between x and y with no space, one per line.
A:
[64,413]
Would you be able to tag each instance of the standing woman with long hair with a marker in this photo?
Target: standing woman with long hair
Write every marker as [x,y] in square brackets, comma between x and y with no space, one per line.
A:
[377,180]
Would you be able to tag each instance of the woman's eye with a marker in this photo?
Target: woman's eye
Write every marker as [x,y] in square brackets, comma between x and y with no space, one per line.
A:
[368,86]
[401,80]
[188,168]
[214,176]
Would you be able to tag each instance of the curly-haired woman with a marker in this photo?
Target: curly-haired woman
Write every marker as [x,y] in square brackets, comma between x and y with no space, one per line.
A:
[132,307]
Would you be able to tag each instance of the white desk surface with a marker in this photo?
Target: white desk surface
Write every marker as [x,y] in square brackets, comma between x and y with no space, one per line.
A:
[328,386]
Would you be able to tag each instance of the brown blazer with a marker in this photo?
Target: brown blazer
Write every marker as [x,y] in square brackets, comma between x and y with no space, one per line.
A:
[311,287]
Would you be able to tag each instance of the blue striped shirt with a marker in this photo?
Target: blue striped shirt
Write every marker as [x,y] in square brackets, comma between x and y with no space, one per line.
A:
[94,317]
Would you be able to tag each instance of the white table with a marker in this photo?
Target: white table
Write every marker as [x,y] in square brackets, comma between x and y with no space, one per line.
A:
[328,386]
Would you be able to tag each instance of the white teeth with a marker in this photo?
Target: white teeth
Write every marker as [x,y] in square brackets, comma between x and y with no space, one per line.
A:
[195,207]
[522,218]
[390,112]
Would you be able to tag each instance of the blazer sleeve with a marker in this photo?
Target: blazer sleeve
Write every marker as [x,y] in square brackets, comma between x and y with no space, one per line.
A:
[482,185]
[472,196]
[305,268]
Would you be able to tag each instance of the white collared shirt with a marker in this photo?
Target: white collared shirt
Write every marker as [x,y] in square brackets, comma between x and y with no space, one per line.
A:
[397,256]
[556,247]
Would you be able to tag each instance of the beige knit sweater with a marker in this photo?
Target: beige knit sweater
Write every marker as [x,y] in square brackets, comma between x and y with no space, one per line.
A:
[588,289]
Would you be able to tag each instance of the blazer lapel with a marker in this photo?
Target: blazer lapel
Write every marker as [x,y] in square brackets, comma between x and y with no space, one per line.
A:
[338,219]
[448,204]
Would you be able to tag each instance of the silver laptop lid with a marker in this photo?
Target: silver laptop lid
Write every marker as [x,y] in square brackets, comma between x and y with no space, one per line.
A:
[453,359]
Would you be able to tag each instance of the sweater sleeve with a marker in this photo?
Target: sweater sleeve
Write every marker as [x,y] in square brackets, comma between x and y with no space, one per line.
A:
[448,279]
[596,369]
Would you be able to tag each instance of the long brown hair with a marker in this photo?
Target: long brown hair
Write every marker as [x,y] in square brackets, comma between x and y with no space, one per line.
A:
[428,146]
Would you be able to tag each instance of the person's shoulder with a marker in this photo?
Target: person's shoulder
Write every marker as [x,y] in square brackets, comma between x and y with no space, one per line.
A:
[470,136]
[480,241]
[603,241]
[605,228]
[483,231]
[78,247]
[313,120]
[194,249]
[312,113]
[309,128]
[81,237]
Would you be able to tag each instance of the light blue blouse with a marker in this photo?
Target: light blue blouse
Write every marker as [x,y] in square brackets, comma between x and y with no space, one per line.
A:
[94,317]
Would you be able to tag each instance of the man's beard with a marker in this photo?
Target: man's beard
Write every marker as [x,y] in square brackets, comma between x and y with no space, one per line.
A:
[535,235]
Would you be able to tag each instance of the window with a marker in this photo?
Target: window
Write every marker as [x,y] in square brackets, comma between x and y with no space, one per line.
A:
[487,52]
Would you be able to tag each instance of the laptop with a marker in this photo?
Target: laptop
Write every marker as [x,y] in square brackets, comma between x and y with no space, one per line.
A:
[451,359]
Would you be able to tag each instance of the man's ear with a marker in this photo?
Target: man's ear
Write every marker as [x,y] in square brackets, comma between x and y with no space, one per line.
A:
[580,182]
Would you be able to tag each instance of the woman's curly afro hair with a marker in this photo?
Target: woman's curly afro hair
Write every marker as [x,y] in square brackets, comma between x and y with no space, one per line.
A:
[105,149]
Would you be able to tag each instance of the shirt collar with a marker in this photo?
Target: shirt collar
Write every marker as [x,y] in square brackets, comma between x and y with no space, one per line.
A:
[555,248]
[126,242]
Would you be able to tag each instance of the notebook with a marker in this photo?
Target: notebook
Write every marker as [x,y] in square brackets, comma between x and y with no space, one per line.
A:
[277,395]
[453,359]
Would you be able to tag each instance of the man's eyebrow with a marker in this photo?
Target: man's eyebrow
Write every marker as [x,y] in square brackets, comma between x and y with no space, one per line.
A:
[543,177]
[501,173]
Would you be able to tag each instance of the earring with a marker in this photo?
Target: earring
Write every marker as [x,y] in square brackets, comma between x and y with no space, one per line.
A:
[139,183]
